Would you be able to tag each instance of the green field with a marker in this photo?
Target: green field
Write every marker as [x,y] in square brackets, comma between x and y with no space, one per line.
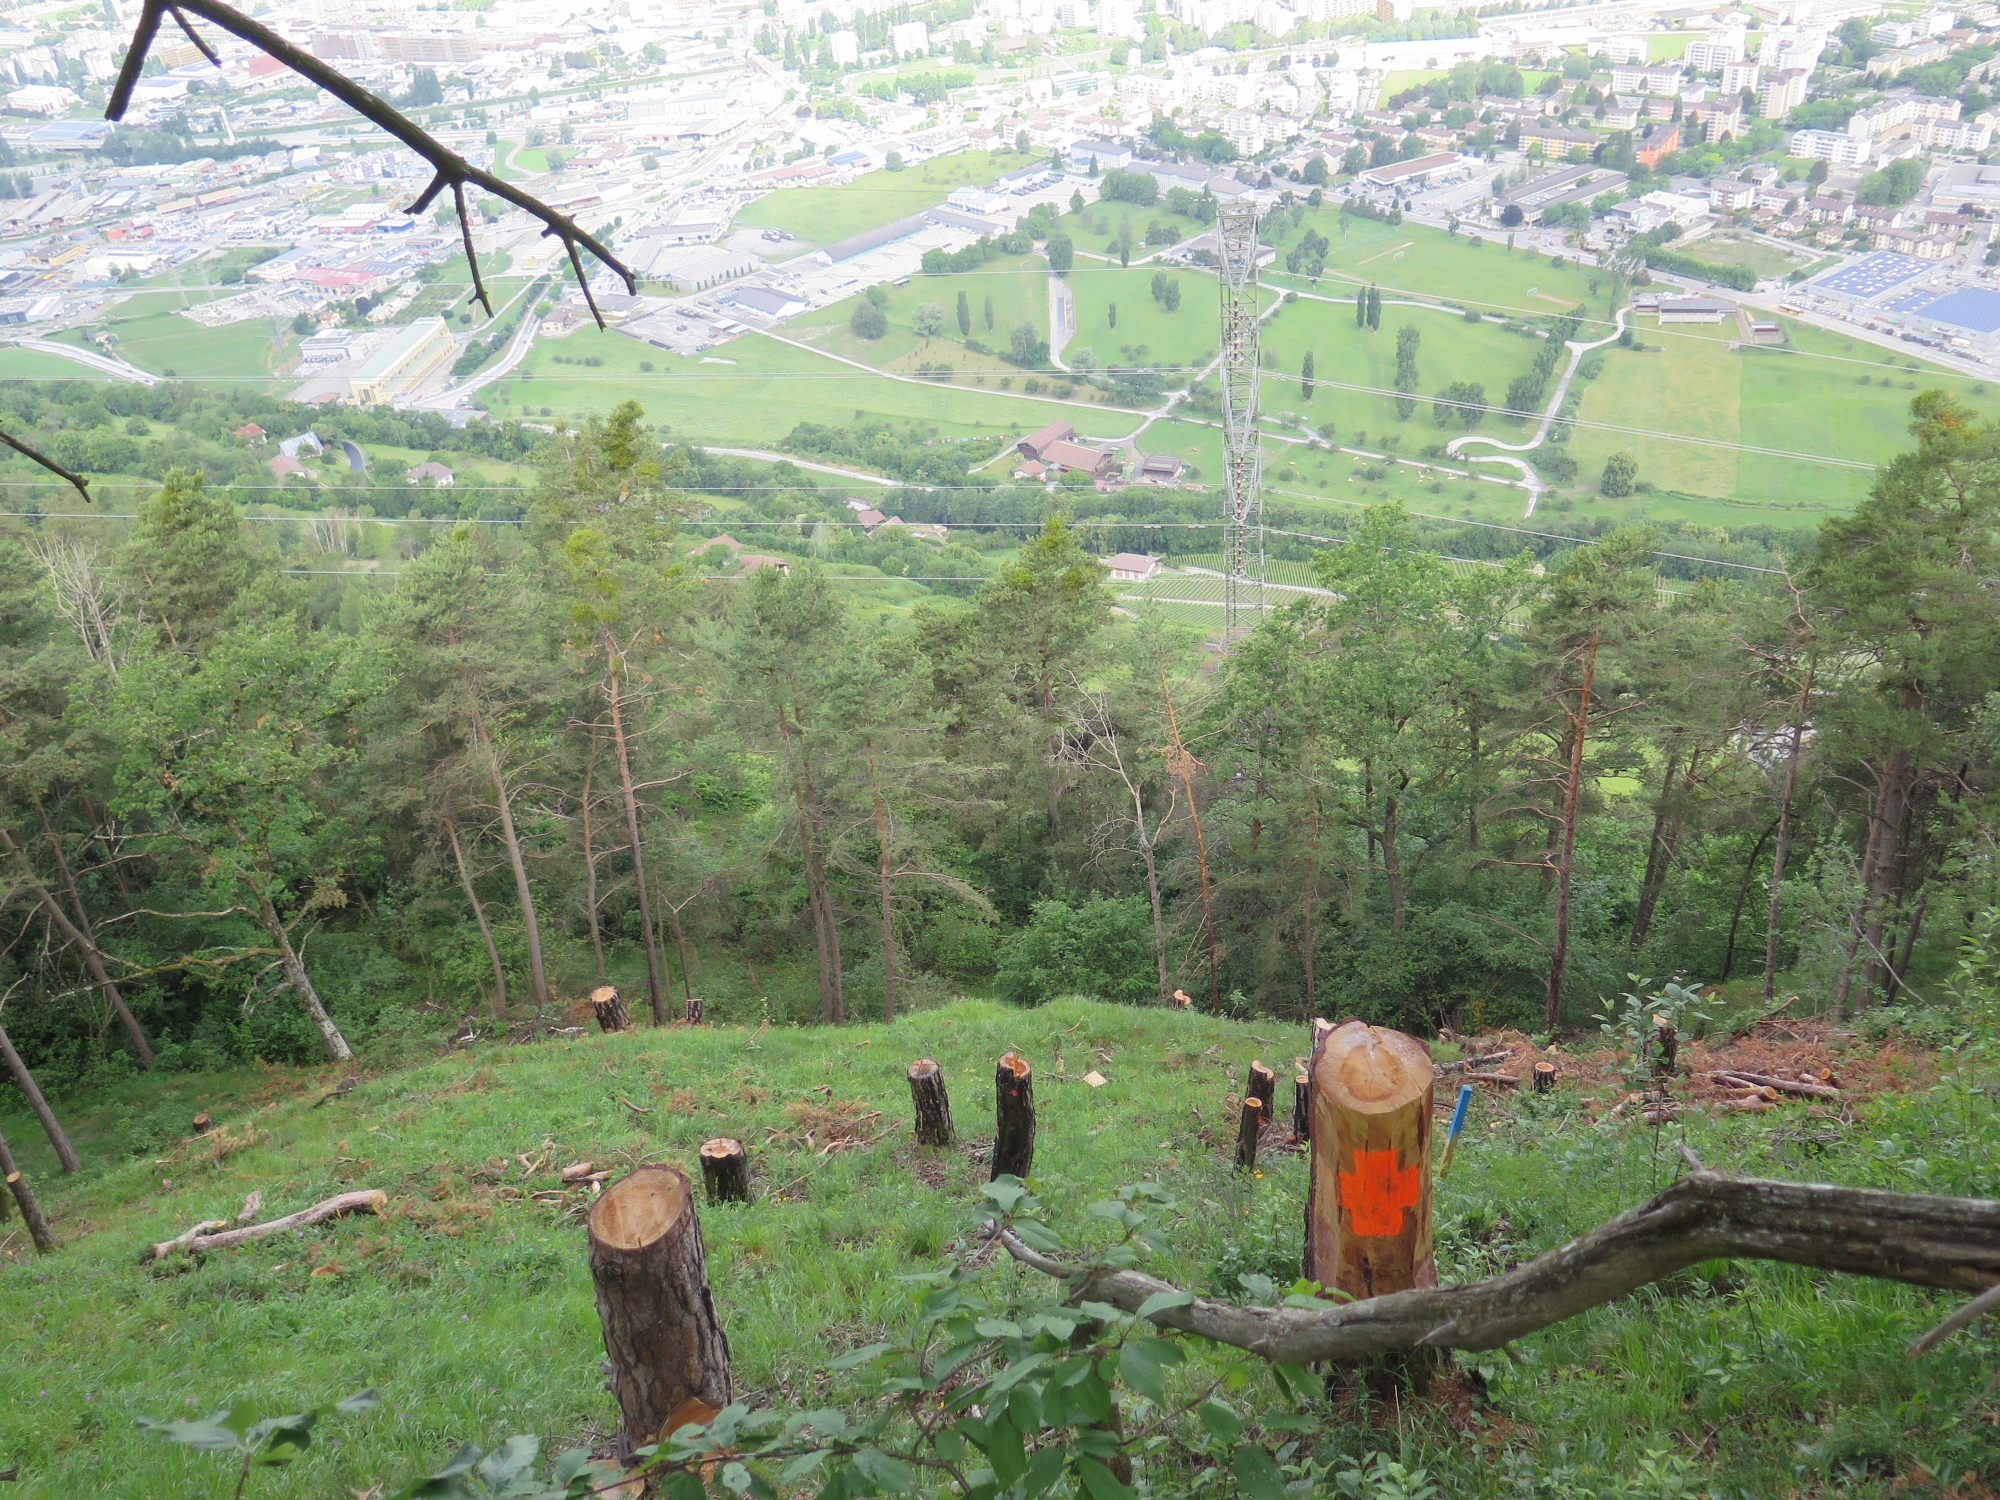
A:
[1732,249]
[766,389]
[820,215]
[1146,333]
[29,364]
[470,1304]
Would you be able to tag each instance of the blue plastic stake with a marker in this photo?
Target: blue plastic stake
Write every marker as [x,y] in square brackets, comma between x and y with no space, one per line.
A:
[1457,1125]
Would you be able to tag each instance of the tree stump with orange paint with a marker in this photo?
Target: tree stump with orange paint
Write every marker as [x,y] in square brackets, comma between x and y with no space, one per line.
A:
[1013,1117]
[1368,1214]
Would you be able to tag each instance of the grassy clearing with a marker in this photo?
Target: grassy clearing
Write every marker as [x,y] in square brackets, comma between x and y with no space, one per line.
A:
[1146,333]
[820,215]
[471,1308]
[28,364]
[1732,249]
[766,388]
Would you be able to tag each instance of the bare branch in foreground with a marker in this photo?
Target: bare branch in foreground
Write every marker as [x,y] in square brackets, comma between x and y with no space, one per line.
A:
[1937,1242]
[362,1201]
[46,462]
[453,171]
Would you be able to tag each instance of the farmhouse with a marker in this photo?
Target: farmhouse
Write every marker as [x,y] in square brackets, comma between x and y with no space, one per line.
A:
[1131,567]
[1037,444]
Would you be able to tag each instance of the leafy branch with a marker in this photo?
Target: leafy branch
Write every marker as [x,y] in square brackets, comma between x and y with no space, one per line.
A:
[452,170]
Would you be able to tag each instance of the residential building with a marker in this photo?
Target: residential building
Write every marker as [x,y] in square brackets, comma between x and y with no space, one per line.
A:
[1730,196]
[1134,567]
[1555,143]
[1781,92]
[434,474]
[1630,79]
[845,49]
[405,362]
[1106,156]
[1831,146]
[1902,59]
[1066,455]
[1709,54]
[910,37]
[1719,121]
[1660,141]
[1738,76]
[1914,241]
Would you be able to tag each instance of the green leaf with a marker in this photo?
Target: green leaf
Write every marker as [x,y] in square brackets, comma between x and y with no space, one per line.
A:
[736,1479]
[998,1328]
[1037,1236]
[859,1356]
[1018,1371]
[1005,1451]
[1256,1474]
[685,1486]
[1100,1483]
[206,1436]
[1143,1364]
[1220,1421]
[499,1468]
[1159,1302]
[1043,1471]
[569,1463]
[1025,1407]
[884,1472]
[1103,1312]
[1005,1192]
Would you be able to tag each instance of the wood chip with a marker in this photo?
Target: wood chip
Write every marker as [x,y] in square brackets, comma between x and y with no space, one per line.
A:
[577,1171]
[1095,1079]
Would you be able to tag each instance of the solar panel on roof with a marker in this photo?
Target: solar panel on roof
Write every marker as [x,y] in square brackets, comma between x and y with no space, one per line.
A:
[1973,308]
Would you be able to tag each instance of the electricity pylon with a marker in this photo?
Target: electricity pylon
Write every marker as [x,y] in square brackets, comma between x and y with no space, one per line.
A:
[1242,459]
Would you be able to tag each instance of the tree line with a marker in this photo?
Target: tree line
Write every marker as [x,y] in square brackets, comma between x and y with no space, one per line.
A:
[1421,790]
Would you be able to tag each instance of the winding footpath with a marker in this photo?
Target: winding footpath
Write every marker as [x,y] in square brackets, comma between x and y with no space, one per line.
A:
[1577,351]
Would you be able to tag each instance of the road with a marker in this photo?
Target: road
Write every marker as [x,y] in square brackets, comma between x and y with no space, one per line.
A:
[103,363]
[800,463]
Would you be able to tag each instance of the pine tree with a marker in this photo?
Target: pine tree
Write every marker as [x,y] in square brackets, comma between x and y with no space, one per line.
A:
[964,315]
[1306,377]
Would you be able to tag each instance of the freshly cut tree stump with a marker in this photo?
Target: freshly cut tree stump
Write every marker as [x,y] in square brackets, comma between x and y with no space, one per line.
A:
[610,1008]
[1301,1108]
[1262,1085]
[1013,1117]
[1368,1208]
[203,1124]
[660,1329]
[24,1195]
[725,1170]
[694,1010]
[1247,1130]
[1545,1077]
[1668,1041]
[930,1104]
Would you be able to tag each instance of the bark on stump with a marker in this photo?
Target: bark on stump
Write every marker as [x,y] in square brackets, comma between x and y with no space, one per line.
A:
[1368,1215]
[1262,1085]
[660,1329]
[1301,1108]
[693,1010]
[725,1170]
[610,1008]
[1545,1077]
[1247,1130]
[930,1104]
[1013,1117]
[24,1196]
[1668,1041]
[202,1123]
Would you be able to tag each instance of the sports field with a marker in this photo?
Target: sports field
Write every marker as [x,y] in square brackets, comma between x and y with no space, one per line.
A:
[821,215]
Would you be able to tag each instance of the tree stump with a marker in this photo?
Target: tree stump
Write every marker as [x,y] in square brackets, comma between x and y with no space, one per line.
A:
[611,1013]
[1368,1209]
[24,1196]
[930,1104]
[1013,1117]
[1247,1129]
[1545,1077]
[693,1010]
[1668,1043]
[660,1330]
[203,1124]
[1262,1085]
[725,1170]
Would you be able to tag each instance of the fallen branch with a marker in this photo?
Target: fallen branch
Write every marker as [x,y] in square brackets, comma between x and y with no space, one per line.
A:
[453,171]
[1974,1310]
[367,1200]
[1465,1064]
[48,463]
[1771,1081]
[1938,1242]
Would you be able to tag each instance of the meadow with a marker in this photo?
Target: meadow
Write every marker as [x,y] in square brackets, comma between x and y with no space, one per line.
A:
[816,216]
[469,1305]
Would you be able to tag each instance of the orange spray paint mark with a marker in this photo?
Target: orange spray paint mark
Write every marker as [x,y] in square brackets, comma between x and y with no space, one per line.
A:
[1376,1192]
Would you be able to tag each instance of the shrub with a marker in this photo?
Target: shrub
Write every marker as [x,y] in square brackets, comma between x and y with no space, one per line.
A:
[868,321]
[1620,470]
[1102,948]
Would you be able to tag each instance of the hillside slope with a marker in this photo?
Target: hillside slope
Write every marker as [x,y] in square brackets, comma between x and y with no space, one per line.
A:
[470,1306]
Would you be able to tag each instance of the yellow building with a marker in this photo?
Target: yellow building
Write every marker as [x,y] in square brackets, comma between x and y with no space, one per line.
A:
[412,356]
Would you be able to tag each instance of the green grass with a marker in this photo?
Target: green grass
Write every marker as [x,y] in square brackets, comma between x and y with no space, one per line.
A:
[820,215]
[768,389]
[29,364]
[1740,250]
[470,1305]
[1146,334]
[1668,47]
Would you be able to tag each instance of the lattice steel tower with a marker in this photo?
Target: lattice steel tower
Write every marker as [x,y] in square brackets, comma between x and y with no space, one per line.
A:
[1242,458]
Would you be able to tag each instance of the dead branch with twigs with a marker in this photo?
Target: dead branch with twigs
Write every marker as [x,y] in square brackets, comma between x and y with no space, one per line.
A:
[1950,1243]
[37,456]
[452,170]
